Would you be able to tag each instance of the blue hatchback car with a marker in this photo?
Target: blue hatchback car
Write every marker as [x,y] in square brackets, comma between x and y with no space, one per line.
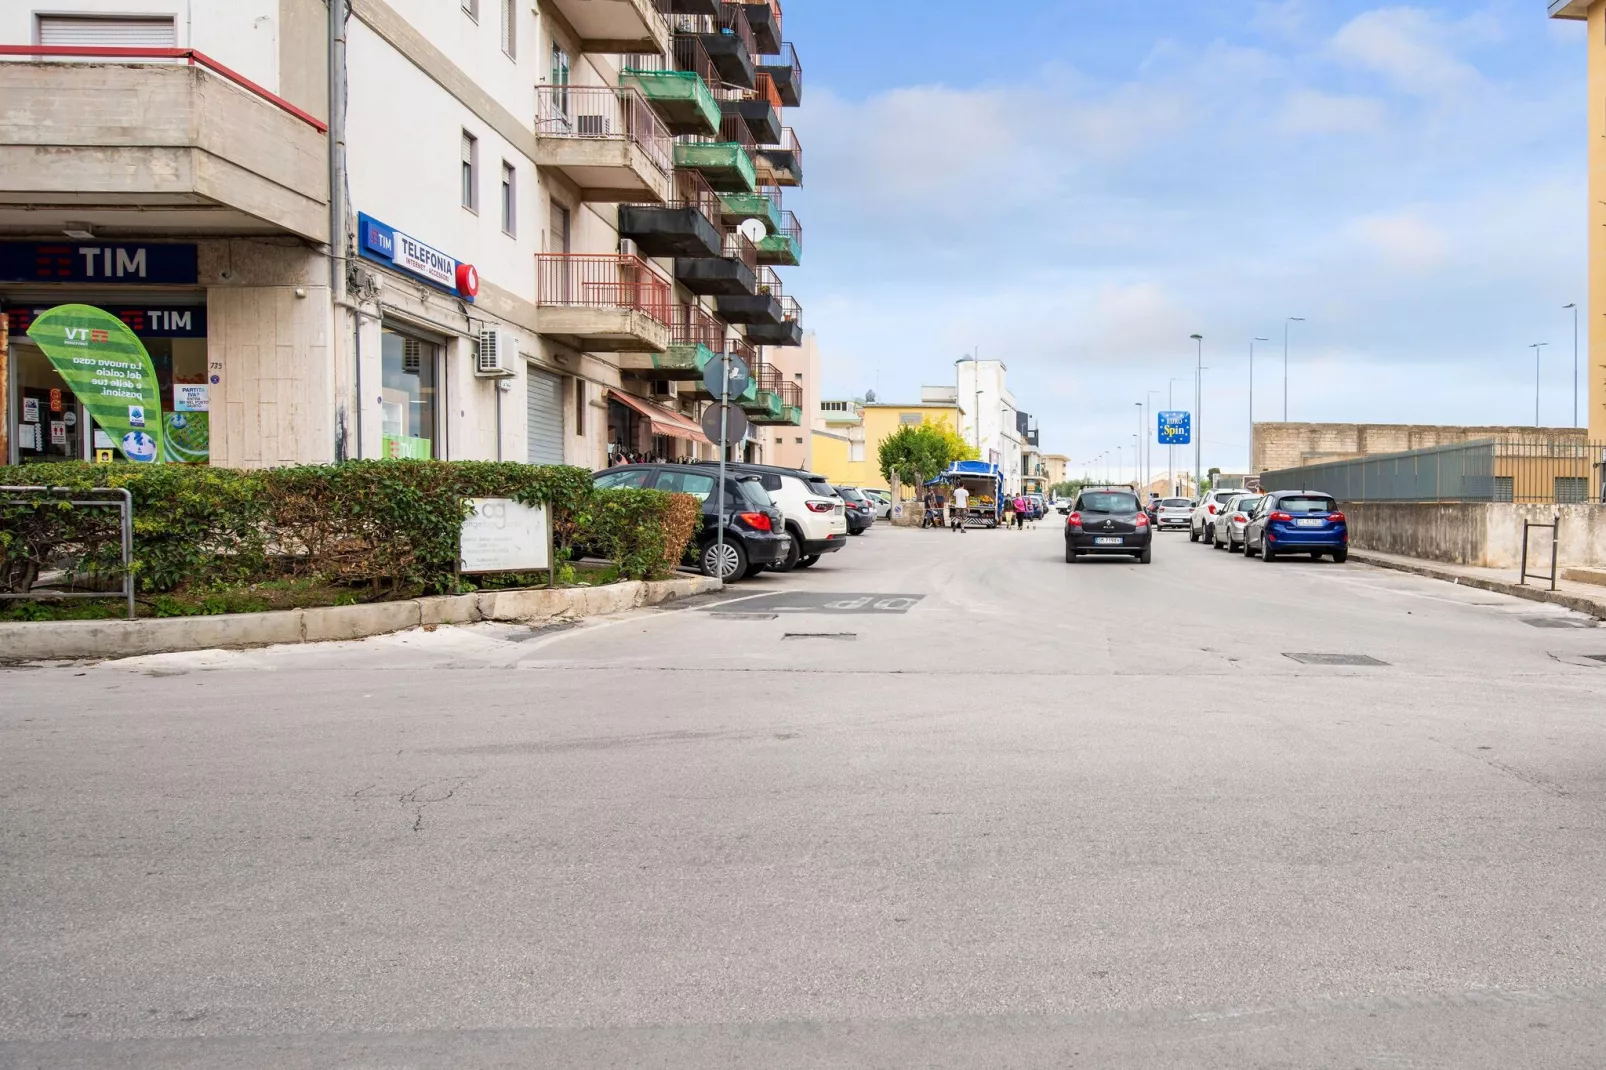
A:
[1297,522]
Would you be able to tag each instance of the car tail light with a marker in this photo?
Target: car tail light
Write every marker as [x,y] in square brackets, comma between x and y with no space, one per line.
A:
[1074,520]
[1142,521]
[1239,518]
[1336,518]
[1283,517]
[1212,509]
[756,521]
[821,507]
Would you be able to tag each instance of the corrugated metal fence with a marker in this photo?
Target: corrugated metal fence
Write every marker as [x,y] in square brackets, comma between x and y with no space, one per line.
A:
[1539,471]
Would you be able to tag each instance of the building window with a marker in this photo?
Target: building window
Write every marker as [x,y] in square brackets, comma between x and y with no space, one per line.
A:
[579,406]
[107,31]
[471,8]
[471,167]
[509,206]
[1571,489]
[510,14]
[409,374]
[797,375]
[799,441]
[1505,489]
[855,451]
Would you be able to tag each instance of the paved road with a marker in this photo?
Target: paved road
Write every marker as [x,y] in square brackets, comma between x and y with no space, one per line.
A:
[944,800]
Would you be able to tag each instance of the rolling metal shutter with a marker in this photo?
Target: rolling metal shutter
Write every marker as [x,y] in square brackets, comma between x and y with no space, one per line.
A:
[108,32]
[543,417]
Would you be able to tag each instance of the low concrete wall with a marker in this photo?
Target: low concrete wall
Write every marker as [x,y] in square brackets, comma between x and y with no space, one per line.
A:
[1487,534]
[46,640]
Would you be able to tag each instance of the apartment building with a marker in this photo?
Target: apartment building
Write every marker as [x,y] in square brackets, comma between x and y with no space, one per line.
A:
[502,229]
[991,419]
[788,445]
[847,440]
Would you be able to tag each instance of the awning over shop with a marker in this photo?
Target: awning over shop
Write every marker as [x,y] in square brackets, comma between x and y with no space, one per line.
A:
[662,421]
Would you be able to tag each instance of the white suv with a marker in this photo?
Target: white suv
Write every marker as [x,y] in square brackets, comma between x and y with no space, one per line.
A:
[1202,524]
[813,510]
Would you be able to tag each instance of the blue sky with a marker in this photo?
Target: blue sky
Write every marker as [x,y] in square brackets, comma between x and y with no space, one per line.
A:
[1076,187]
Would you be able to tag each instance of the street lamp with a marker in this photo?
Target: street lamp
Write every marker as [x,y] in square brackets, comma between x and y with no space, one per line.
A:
[1152,433]
[1252,342]
[1198,400]
[1137,447]
[1286,322]
[1538,348]
[1574,307]
[1171,451]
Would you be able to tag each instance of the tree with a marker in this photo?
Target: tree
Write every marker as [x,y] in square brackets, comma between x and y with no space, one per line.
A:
[958,448]
[918,453]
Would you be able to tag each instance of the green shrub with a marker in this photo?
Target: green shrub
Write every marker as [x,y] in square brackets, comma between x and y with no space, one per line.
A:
[643,531]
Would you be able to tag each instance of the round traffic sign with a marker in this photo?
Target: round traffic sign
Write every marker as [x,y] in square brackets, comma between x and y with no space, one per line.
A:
[739,375]
[735,423]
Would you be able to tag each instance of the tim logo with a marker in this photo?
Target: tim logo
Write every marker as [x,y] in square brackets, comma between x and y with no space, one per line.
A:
[100,336]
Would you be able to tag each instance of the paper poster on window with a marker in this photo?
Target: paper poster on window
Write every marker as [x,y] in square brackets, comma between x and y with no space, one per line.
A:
[30,410]
[28,437]
[58,433]
[103,441]
[191,398]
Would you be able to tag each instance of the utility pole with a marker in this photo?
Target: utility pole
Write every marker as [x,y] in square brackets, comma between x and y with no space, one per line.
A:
[1171,451]
[1286,322]
[1574,307]
[1251,446]
[1538,348]
[1198,407]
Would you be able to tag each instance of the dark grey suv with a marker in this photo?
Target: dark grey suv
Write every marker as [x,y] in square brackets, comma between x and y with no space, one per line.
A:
[1108,521]
[755,533]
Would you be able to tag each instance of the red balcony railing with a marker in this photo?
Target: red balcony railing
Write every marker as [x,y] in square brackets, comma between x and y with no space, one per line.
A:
[593,280]
[692,325]
[736,347]
[189,55]
[686,53]
[602,112]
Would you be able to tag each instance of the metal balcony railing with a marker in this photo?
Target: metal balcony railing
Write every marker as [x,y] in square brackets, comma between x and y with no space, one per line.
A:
[692,325]
[600,112]
[732,130]
[791,228]
[736,347]
[769,282]
[763,89]
[731,20]
[686,53]
[788,143]
[737,247]
[791,311]
[768,378]
[791,394]
[786,57]
[693,191]
[593,280]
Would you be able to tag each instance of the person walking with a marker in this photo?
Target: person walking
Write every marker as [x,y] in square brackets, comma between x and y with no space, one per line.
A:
[1010,505]
[1018,506]
[961,502]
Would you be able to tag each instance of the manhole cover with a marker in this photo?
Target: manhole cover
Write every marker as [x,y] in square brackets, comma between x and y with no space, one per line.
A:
[1335,659]
[744,616]
[1558,622]
[841,637]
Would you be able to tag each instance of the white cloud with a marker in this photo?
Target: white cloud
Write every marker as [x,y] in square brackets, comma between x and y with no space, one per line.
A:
[1310,111]
[1412,48]
[1403,241]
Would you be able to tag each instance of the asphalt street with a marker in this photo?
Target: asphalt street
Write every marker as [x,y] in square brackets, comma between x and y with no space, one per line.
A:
[943,801]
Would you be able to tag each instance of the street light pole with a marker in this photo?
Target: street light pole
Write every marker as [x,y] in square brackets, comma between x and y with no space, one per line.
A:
[1198,406]
[1252,342]
[1574,307]
[1286,322]
[1171,451]
[1538,348]
[1152,433]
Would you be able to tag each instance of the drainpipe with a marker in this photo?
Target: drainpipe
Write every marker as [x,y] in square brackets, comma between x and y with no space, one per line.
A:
[337,225]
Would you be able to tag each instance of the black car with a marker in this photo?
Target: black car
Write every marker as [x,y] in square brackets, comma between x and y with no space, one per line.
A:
[795,490]
[755,533]
[1108,521]
[859,509]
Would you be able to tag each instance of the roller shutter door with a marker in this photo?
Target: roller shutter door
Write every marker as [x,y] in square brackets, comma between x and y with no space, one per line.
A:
[543,417]
[108,32]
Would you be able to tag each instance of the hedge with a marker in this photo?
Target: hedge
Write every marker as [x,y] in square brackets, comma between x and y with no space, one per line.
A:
[385,524]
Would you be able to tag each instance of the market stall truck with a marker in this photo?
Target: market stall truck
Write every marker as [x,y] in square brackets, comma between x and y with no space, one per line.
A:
[986,486]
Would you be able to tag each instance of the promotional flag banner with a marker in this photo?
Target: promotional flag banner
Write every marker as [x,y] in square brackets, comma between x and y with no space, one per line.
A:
[107,367]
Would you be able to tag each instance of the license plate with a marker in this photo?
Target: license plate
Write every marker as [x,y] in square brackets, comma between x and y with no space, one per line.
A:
[1309,523]
[1104,541]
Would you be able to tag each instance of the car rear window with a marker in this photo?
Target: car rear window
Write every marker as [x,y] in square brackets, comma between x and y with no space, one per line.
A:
[1244,505]
[1307,503]
[822,488]
[754,494]
[1109,503]
[850,494]
[1176,503]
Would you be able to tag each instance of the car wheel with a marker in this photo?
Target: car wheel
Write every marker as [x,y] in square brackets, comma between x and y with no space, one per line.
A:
[1341,555]
[1070,554]
[1193,533]
[727,561]
[793,553]
[1267,554]
[1232,545]
[1249,547]
[809,561]
[1147,555]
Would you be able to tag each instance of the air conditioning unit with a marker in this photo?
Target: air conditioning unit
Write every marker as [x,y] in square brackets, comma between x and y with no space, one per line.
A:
[627,247]
[591,125]
[498,354]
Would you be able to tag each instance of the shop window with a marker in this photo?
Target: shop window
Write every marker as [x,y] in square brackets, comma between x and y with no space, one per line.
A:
[409,410]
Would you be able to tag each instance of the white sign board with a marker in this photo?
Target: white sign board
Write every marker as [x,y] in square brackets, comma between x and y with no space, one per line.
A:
[500,535]
[419,258]
[191,398]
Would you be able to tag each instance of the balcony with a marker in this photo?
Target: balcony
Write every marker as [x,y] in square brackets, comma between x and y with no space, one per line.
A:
[695,339]
[758,107]
[602,303]
[605,140]
[783,66]
[764,406]
[763,205]
[726,162]
[729,41]
[784,245]
[780,164]
[789,332]
[734,272]
[150,140]
[677,88]
[764,19]
[762,308]
[688,225]
[709,8]
[782,399]
[612,25]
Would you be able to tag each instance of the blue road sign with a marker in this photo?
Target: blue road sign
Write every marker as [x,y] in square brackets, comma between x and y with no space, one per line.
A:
[1176,428]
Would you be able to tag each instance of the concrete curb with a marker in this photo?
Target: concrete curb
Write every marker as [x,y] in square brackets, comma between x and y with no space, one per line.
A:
[53,640]
[1588,606]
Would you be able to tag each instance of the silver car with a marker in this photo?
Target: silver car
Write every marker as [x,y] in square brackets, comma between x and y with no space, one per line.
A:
[1231,521]
[1172,513]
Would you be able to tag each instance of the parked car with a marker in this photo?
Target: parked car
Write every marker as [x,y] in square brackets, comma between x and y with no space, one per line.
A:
[1064,506]
[1036,507]
[755,530]
[1296,522]
[1229,527]
[1172,513]
[859,508]
[1202,522]
[816,516]
[883,501]
[1108,521]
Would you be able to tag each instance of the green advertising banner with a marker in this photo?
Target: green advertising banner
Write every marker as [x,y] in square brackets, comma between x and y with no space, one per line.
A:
[105,365]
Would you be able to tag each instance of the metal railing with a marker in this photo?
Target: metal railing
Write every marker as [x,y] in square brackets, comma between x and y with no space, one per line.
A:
[731,21]
[737,247]
[692,325]
[791,311]
[603,112]
[686,53]
[786,57]
[738,347]
[191,56]
[1542,471]
[769,282]
[791,394]
[791,228]
[593,280]
[692,191]
[763,89]
[118,498]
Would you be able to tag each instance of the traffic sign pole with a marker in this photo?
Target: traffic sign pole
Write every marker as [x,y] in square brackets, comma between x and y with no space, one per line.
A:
[724,436]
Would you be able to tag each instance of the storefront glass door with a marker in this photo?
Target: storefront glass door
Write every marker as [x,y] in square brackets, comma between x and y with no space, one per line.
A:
[409,410]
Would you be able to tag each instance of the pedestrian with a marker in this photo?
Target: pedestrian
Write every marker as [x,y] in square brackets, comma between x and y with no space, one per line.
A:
[961,501]
[1019,507]
[1010,505]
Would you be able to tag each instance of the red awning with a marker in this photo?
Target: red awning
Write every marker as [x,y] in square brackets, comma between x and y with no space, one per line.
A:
[662,421]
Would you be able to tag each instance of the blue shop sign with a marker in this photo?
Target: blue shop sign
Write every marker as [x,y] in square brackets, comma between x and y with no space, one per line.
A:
[125,263]
[1176,428]
[386,245]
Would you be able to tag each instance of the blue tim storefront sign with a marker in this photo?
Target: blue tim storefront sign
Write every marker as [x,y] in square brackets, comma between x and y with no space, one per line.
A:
[1176,428]
[125,263]
[386,245]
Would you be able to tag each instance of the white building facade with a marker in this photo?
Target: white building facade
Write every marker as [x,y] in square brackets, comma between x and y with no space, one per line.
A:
[989,419]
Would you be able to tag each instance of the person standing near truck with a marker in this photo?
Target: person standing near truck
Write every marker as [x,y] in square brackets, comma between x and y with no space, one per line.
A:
[961,501]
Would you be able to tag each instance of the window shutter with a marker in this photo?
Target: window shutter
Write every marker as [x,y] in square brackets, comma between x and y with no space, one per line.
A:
[107,32]
[510,14]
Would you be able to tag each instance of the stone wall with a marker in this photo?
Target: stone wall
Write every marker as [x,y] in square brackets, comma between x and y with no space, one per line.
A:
[1487,534]
[1278,445]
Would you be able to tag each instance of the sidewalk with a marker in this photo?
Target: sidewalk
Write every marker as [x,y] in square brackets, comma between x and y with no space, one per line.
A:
[1583,597]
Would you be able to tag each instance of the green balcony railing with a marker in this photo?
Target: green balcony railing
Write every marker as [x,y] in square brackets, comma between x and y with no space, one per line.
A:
[682,96]
[735,207]
[725,164]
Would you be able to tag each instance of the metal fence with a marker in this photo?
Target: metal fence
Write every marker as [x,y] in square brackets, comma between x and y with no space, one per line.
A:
[1541,471]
